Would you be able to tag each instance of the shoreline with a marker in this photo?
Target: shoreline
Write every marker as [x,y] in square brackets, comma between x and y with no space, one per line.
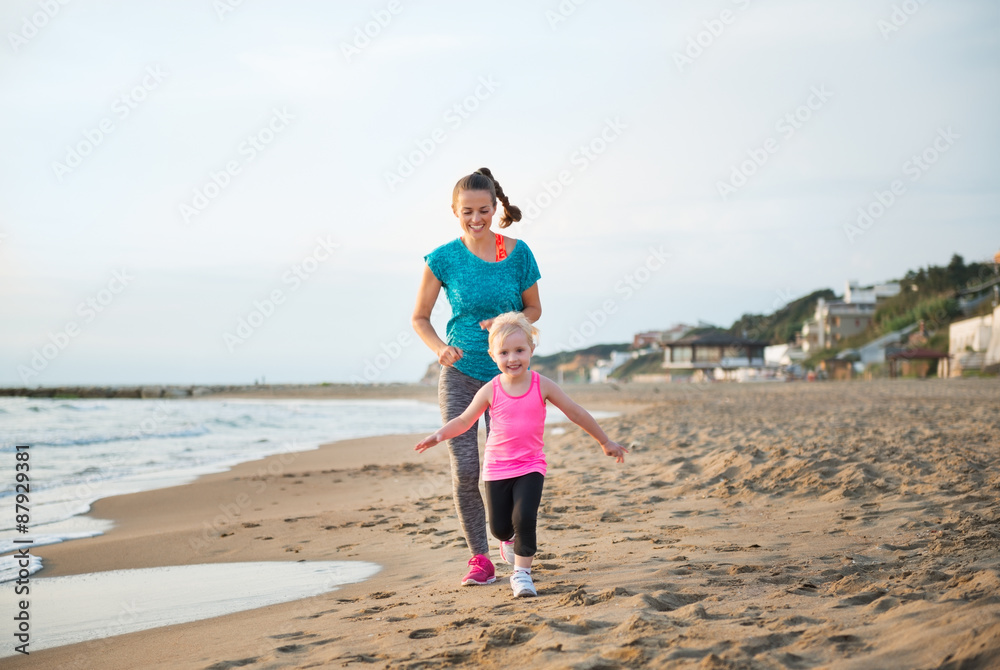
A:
[683,543]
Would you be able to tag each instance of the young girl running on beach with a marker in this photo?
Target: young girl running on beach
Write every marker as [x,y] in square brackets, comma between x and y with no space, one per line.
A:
[514,465]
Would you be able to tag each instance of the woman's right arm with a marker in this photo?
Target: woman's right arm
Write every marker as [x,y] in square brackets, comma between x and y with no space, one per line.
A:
[430,287]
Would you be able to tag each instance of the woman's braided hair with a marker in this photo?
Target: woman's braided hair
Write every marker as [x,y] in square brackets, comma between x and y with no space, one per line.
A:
[483,180]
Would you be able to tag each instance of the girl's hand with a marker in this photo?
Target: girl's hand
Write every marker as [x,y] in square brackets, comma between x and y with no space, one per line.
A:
[427,442]
[448,355]
[612,448]
[485,324]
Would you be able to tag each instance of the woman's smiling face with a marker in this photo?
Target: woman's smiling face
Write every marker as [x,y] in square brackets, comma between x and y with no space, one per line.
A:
[475,210]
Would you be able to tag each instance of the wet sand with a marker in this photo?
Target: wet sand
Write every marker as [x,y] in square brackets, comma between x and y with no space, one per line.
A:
[834,525]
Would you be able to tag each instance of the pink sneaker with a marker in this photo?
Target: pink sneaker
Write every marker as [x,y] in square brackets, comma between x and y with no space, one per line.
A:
[481,571]
[507,551]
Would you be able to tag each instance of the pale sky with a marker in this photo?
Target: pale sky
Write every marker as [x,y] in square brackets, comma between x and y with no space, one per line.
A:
[713,158]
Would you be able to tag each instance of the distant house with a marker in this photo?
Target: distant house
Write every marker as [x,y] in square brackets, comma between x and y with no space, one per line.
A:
[874,295]
[599,373]
[783,355]
[659,338]
[839,319]
[975,343]
[874,351]
[719,353]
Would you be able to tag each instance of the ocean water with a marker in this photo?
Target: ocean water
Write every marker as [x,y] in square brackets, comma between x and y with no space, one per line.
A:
[93,606]
[84,450]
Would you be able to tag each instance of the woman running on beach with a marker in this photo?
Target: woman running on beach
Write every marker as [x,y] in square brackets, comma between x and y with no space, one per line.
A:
[514,464]
[483,274]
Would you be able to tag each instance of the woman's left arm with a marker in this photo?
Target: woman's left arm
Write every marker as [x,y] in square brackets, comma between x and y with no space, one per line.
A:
[532,309]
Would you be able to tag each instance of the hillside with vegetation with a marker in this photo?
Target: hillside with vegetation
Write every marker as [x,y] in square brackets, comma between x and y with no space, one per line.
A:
[575,364]
[928,294]
[933,294]
[781,326]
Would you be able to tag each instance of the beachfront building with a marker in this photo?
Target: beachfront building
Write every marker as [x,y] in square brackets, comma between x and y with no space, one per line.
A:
[838,319]
[783,355]
[658,338]
[975,343]
[874,295]
[834,321]
[648,338]
[874,351]
[599,373]
[718,355]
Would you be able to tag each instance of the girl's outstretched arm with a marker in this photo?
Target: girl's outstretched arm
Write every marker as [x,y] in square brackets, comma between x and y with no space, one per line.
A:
[582,418]
[460,423]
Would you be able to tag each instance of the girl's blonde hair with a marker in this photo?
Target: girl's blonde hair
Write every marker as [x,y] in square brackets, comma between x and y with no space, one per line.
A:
[511,322]
[483,180]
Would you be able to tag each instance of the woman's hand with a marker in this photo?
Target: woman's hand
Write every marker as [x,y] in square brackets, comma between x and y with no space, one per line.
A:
[427,442]
[448,355]
[612,448]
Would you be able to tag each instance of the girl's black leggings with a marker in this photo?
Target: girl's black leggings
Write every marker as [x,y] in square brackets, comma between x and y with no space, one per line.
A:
[513,508]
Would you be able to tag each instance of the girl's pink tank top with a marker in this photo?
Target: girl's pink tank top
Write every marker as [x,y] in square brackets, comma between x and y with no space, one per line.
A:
[514,447]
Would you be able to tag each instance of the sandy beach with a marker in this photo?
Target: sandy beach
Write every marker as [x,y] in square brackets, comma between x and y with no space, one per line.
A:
[831,525]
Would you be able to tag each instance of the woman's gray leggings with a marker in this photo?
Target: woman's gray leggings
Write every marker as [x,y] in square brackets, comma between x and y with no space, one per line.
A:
[455,392]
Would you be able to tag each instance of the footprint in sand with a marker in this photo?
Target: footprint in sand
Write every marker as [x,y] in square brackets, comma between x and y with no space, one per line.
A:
[577,625]
[290,648]
[287,636]
[226,665]
[861,598]
[498,637]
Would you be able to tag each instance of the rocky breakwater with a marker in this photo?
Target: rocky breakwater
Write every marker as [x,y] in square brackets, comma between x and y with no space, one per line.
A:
[71,392]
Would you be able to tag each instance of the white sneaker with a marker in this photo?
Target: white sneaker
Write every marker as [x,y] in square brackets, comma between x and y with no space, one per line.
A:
[522,585]
[507,551]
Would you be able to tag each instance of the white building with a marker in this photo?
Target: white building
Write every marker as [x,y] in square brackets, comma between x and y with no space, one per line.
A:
[783,355]
[871,295]
[874,351]
[839,319]
[599,373]
[970,335]
[975,343]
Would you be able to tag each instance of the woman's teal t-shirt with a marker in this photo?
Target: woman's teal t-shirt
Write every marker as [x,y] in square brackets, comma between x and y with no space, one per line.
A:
[478,290]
